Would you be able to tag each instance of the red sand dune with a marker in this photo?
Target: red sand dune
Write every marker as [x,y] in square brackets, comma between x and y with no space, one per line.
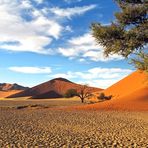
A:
[130,93]
[55,88]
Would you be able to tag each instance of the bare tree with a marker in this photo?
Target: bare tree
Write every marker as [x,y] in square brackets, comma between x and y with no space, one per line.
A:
[84,93]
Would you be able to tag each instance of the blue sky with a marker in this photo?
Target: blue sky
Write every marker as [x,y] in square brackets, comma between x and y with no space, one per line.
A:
[45,39]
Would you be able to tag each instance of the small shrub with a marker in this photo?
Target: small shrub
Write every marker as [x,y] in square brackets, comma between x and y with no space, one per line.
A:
[108,97]
[21,107]
[70,93]
[103,97]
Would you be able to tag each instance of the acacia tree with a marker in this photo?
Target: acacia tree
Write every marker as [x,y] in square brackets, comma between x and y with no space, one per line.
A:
[70,93]
[84,93]
[128,34]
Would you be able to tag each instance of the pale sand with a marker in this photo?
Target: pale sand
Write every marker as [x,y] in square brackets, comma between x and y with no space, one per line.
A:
[55,128]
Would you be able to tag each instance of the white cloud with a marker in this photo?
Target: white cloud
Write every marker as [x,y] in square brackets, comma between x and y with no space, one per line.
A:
[70,52]
[31,35]
[38,1]
[31,70]
[38,32]
[101,83]
[26,4]
[85,39]
[68,28]
[69,12]
[84,46]
[71,1]
[98,77]
[68,75]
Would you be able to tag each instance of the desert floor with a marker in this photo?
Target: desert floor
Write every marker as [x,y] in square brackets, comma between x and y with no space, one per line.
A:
[47,123]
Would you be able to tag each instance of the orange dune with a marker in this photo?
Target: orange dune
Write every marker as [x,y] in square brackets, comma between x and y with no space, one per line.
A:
[140,95]
[130,93]
[4,94]
[128,85]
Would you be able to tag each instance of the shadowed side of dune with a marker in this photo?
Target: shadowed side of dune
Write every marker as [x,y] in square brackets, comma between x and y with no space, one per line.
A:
[50,94]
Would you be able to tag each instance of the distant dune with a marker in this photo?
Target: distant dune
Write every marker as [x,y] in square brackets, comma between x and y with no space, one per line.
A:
[130,93]
[55,88]
[7,89]
[4,94]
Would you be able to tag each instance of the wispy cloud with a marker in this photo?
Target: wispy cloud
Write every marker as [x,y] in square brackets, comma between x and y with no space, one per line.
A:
[31,70]
[98,77]
[69,12]
[34,34]
[71,1]
[34,29]
[83,47]
[38,1]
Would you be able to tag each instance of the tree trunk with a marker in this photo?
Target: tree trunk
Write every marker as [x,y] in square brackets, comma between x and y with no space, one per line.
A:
[82,99]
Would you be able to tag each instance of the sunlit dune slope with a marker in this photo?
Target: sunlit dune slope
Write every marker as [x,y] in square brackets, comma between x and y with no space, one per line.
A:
[140,95]
[128,85]
[130,93]
[7,89]
[4,94]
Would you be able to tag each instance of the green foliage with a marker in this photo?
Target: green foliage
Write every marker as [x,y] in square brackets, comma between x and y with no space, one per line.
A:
[128,34]
[141,61]
[70,93]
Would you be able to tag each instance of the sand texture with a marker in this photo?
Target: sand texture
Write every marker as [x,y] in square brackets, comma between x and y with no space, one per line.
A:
[79,129]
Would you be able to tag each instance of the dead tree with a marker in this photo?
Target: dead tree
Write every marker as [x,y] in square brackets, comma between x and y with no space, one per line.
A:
[84,93]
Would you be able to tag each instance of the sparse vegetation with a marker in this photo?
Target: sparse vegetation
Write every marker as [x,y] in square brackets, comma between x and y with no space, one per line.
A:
[21,107]
[71,93]
[31,106]
[102,97]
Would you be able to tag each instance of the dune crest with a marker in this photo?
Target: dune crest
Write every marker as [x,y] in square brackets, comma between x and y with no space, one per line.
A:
[9,87]
[54,88]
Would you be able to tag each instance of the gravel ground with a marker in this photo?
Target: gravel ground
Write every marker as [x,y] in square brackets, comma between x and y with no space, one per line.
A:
[30,128]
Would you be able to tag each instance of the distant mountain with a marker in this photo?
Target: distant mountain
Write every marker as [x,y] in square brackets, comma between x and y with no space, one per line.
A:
[54,88]
[8,87]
